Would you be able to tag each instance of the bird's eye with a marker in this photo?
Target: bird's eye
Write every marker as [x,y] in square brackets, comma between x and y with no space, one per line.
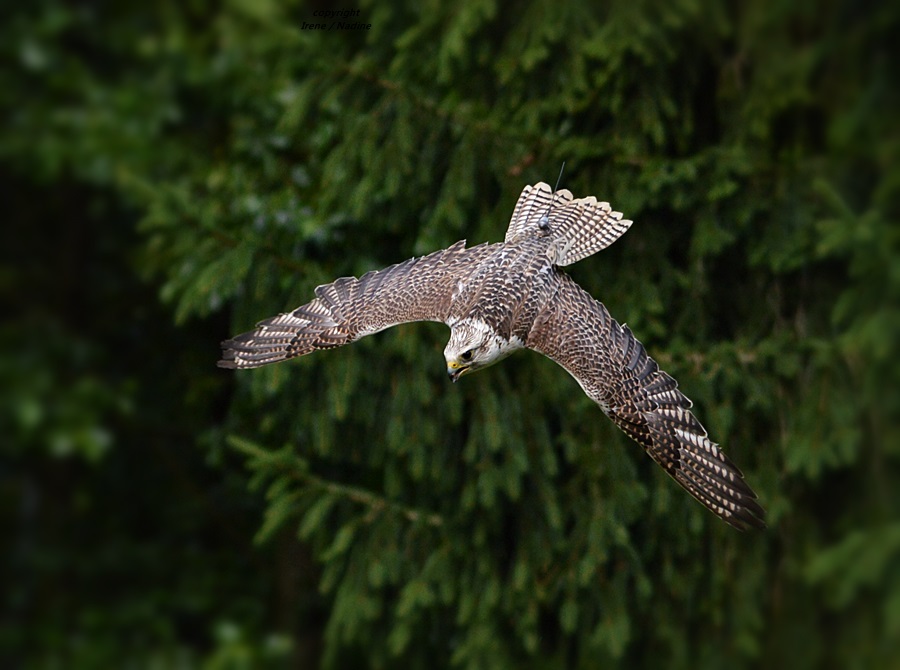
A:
[467,355]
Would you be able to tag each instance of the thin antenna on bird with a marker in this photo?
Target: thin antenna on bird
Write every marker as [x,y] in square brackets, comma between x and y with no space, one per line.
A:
[544,222]
[559,178]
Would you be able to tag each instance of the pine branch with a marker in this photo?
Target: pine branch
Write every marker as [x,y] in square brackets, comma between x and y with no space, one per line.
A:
[375,502]
[281,463]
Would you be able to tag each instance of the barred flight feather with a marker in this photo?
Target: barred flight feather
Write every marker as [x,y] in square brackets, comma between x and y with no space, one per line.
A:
[497,298]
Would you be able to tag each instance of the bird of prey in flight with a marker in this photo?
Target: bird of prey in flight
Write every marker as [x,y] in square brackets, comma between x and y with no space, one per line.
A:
[497,298]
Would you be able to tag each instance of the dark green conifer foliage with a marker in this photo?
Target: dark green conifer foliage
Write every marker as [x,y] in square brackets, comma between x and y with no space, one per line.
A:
[503,521]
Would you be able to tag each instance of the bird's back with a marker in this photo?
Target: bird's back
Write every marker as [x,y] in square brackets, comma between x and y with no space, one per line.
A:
[508,287]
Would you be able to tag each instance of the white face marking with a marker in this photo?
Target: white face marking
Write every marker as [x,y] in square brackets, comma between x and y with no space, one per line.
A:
[473,345]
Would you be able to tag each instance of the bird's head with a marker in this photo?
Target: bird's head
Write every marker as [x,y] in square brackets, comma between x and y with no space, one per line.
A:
[472,346]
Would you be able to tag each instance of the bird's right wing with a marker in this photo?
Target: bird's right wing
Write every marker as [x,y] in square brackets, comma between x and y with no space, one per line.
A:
[419,289]
[577,332]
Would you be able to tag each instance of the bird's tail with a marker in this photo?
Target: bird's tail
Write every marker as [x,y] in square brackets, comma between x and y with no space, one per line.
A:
[579,227]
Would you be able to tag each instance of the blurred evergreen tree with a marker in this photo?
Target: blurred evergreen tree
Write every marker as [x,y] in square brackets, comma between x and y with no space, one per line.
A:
[502,522]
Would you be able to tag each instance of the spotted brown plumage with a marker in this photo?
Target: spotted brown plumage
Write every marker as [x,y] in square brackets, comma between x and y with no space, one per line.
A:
[418,289]
[498,298]
[641,399]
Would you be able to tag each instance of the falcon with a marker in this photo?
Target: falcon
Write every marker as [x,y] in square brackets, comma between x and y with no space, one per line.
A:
[498,298]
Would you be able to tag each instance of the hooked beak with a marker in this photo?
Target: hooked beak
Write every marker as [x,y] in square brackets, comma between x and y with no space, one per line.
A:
[456,370]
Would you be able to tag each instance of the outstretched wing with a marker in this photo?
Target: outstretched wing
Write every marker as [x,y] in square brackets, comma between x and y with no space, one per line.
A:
[419,289]
[612,367]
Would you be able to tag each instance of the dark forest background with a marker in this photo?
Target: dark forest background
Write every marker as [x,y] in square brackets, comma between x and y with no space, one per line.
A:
[173,172]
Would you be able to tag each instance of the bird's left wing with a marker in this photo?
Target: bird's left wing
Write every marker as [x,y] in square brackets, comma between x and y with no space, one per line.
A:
[419,289]
[612,367]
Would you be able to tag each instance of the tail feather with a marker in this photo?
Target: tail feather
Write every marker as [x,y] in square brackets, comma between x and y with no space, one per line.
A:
[586,226]
[533,203]
[579,228]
